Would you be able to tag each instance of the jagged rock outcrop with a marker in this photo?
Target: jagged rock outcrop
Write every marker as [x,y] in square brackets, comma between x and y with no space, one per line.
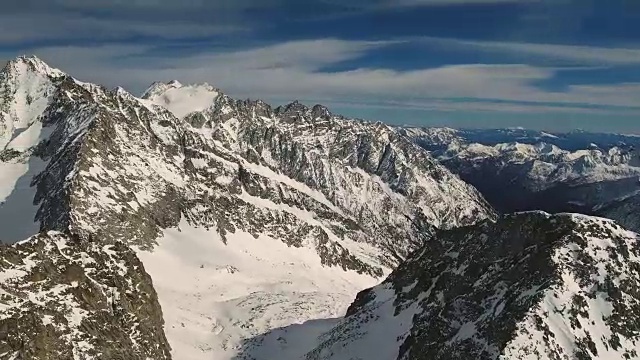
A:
[62,297]
[529,286]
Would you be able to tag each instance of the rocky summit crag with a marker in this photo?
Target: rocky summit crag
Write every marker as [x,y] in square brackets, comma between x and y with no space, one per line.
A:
[88,173]
[529,286]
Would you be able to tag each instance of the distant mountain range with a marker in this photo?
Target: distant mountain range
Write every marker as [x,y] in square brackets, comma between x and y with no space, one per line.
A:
[435,138]
[519,170]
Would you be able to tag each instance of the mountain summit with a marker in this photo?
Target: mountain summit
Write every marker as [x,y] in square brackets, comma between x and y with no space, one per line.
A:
[180,99]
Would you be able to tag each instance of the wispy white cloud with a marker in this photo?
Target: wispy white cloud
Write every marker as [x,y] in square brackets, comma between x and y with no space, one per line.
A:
[164,4]
[293,70]
[384,4]
[70,27]
[460,2]
[592,55]
[447,105]
[100,21]
[66,21]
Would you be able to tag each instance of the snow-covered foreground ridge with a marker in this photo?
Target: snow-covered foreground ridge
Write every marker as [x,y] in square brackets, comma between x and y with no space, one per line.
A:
[344,202]
[62,297]
[529,286]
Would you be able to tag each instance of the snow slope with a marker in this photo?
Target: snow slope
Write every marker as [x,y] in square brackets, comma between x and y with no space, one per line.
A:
[26,89]
[17,209]
[214,295]
[181,100]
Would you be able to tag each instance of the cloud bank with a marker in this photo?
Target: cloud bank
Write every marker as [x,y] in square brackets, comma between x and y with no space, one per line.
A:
[134,43]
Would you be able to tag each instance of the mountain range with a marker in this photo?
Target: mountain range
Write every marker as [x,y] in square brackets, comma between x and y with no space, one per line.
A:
[520,170]
[186,224]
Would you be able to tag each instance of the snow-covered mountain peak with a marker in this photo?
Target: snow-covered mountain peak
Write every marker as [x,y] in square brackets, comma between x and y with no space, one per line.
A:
[181,99]
[26,87]
[320,111]
[297,111]
[546,148]
[121,91]
[159,87]
[32,63]
[292,108]
[430,137]
[175,83]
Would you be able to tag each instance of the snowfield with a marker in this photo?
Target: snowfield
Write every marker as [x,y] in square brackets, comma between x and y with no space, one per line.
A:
[181,100]
[216,297]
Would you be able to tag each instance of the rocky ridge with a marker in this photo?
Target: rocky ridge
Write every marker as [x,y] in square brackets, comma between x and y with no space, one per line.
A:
[624,210]
[529,286]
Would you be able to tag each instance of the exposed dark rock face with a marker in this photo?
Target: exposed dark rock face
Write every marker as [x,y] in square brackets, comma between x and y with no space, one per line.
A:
[62,297]
[338,161]
[530,285]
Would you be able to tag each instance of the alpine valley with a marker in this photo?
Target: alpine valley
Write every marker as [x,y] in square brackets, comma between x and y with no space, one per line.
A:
[184,224]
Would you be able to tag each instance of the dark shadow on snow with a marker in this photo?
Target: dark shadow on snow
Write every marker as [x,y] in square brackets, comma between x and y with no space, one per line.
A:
[286,343]
[18,211]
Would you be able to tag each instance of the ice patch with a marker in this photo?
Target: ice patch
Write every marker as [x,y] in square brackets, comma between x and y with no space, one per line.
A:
[182,100]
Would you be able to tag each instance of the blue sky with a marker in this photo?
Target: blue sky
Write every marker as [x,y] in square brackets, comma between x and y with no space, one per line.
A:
[545,64]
